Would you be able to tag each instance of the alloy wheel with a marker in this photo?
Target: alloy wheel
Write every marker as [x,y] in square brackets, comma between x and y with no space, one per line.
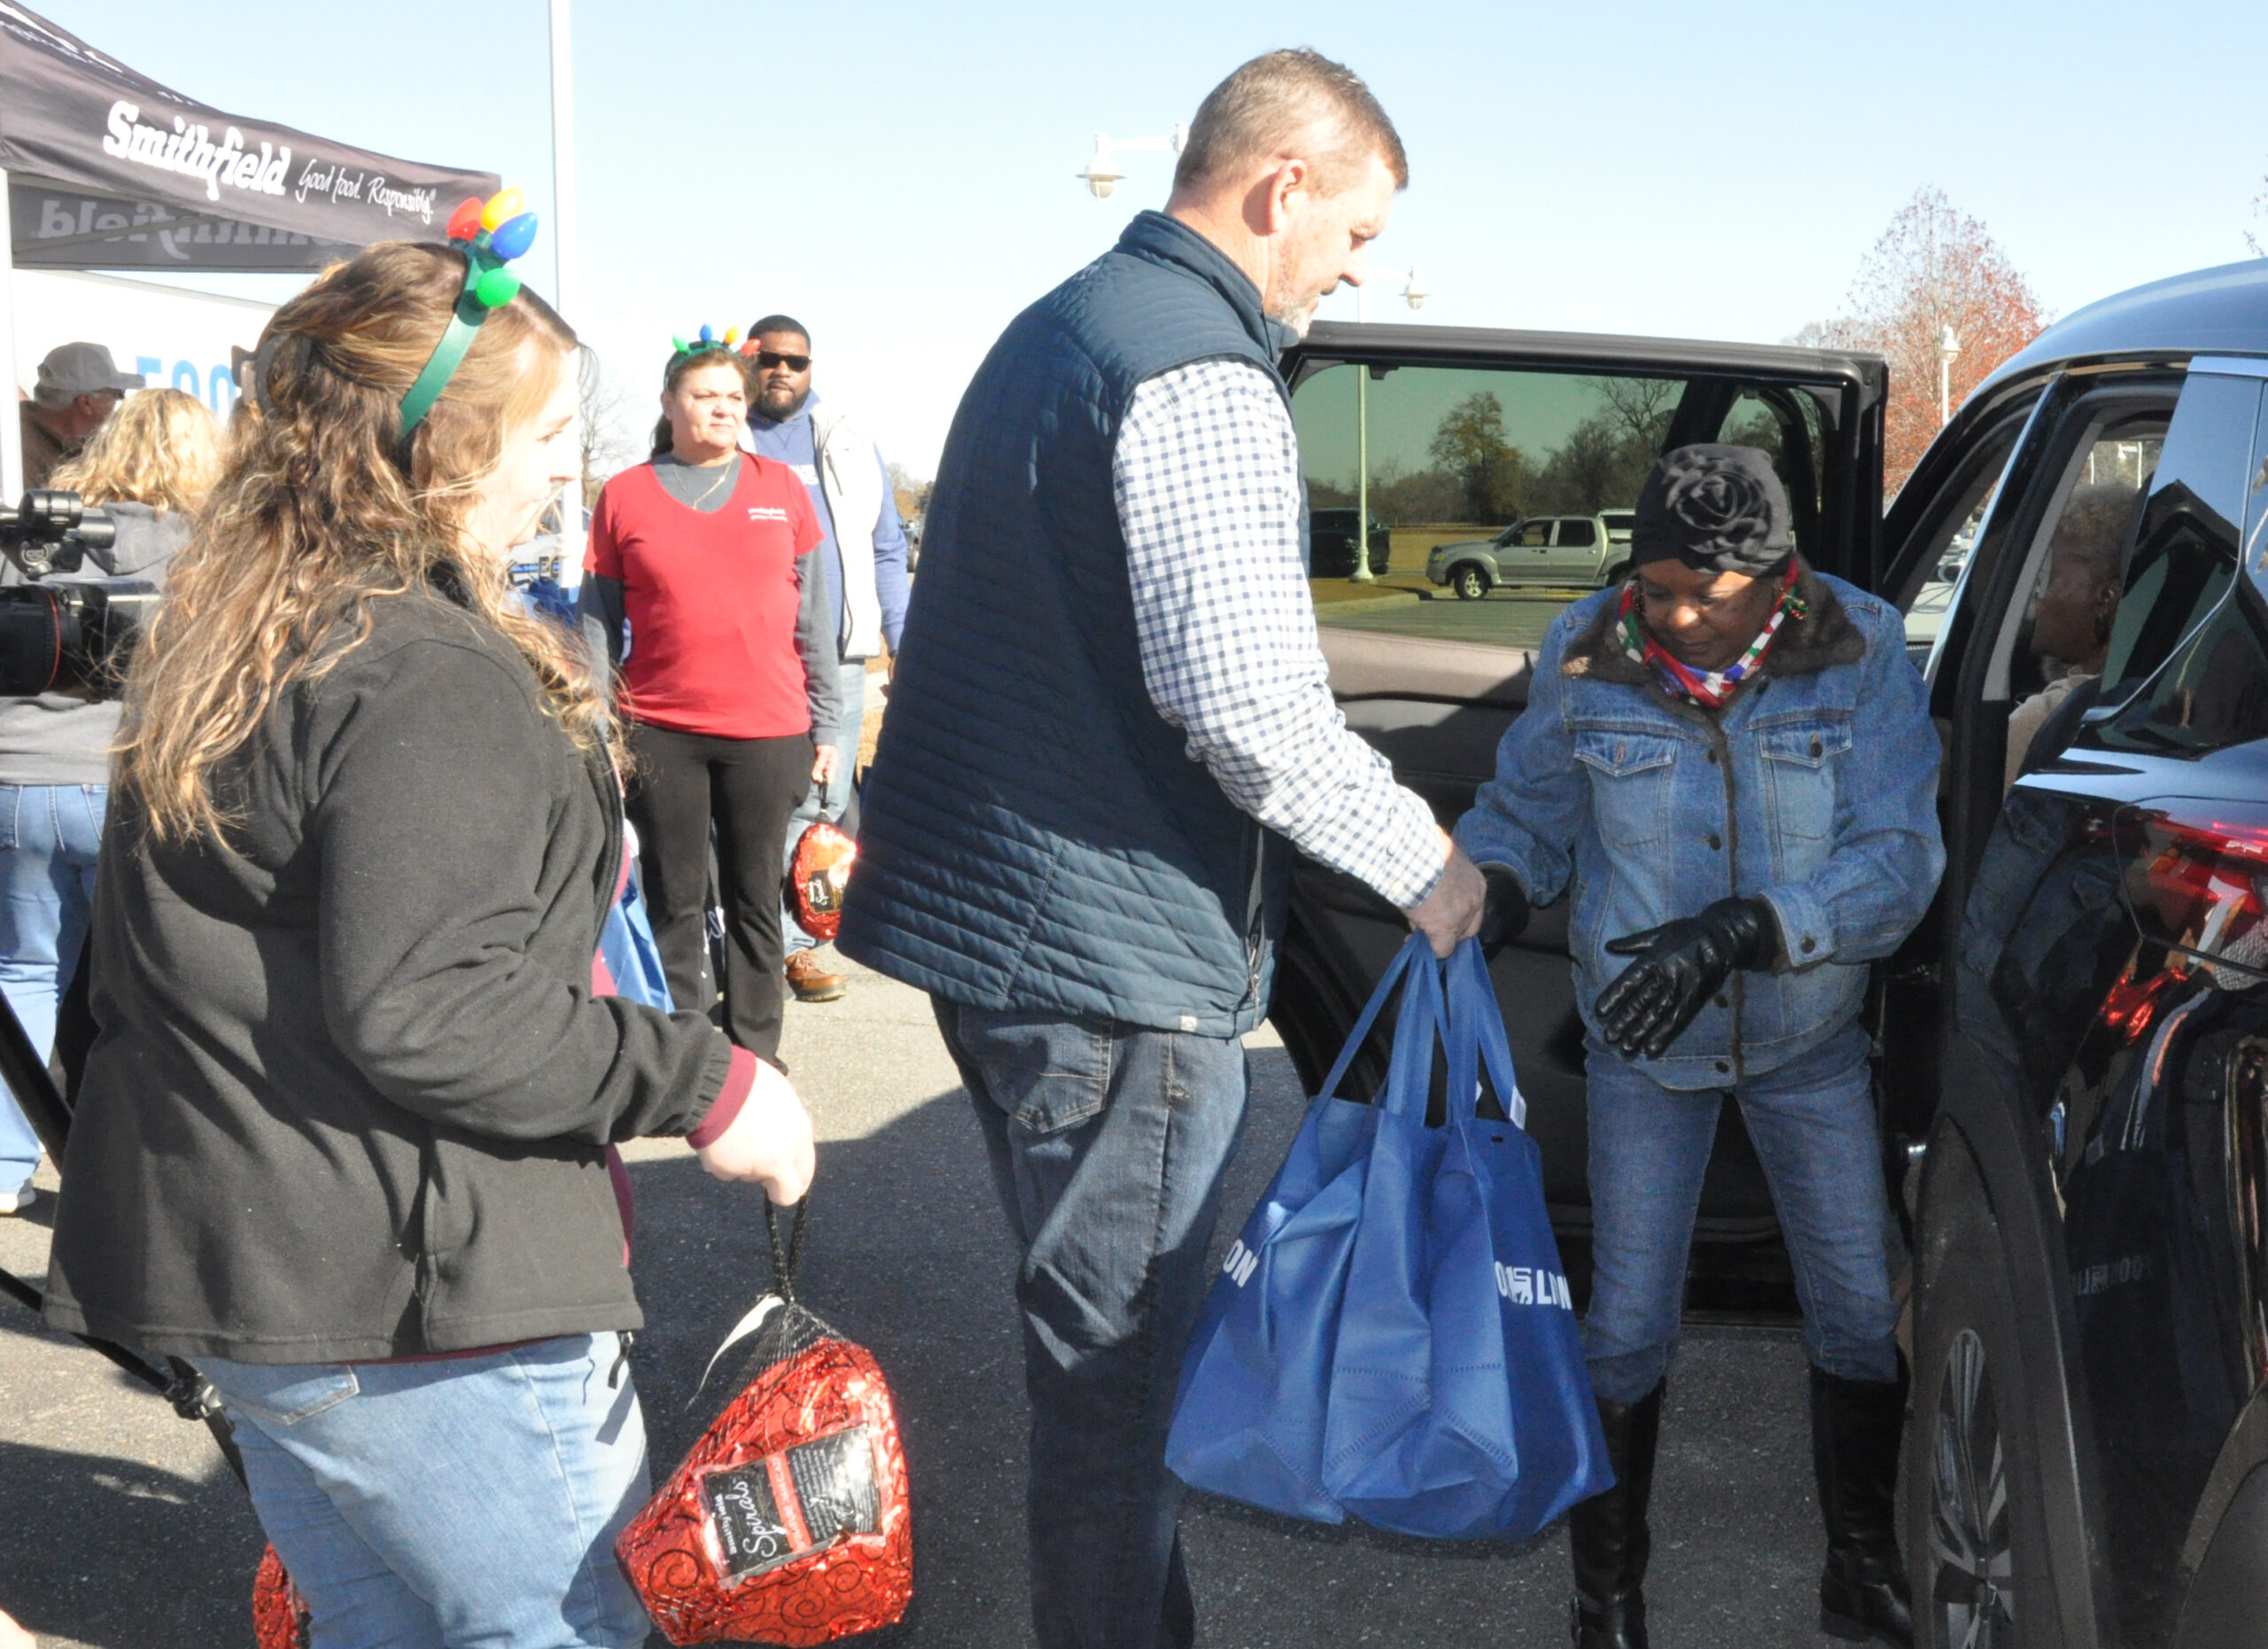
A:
[1971,1545]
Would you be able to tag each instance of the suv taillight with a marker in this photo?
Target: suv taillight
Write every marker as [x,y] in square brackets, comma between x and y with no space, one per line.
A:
[2197,882]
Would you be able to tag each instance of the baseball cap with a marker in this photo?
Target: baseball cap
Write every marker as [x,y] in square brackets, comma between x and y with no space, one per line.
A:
[75,370]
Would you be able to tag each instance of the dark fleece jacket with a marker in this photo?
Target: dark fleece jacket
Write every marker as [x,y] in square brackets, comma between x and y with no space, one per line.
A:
[350,1090]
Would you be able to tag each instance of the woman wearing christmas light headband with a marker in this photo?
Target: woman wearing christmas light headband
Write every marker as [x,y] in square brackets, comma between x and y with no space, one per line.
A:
[1729,761]
[341,1137]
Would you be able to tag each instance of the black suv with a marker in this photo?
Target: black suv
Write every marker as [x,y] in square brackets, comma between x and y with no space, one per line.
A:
[2073,1047]
[1330,543]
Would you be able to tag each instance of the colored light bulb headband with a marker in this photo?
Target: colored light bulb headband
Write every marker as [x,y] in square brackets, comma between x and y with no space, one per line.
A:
[706,341]
[490,235]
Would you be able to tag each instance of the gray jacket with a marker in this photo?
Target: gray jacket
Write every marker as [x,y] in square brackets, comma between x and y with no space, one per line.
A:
[58,738]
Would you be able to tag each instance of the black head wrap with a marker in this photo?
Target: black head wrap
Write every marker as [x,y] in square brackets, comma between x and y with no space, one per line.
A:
[1716,508]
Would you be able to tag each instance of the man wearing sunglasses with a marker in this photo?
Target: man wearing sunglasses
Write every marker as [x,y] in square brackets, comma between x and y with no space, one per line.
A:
[862,550]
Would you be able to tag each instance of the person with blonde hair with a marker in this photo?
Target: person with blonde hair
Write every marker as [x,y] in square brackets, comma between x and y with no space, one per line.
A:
[343,1132]
[148,467]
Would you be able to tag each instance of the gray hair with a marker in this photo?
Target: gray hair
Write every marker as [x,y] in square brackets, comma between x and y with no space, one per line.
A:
[1279,99]
[2093,527]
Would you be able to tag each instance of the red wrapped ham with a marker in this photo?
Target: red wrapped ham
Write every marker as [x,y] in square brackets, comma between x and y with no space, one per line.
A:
[788,1521]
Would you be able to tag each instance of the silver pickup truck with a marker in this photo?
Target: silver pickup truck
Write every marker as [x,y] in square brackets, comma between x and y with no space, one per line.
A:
[1573,552]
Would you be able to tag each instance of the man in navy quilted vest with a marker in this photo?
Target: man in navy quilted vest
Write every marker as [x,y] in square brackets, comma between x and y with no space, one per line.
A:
[1109,733]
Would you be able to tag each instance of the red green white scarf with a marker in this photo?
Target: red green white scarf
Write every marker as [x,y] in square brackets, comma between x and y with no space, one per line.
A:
[1711,689]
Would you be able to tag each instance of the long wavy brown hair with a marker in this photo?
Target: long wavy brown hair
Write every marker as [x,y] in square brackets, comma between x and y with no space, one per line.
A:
[161,448]
[321,511]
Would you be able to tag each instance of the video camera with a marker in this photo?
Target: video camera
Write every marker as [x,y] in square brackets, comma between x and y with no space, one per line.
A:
[72,635]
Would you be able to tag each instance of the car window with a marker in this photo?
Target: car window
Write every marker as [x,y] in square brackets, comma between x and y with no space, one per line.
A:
[1787,427]
[1449,457]
[1575,534]
[1620,527]
[2186,669]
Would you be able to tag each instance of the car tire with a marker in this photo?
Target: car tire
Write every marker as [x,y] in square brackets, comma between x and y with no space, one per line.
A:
[1469,581]
[1618,571]
[1977,1537]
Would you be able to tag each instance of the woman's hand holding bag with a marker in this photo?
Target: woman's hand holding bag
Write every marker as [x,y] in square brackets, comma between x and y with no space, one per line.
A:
[769,1141]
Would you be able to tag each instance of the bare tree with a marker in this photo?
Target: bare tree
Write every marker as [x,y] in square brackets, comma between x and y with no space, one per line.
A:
[1934,269]
[609,433]
[1642,406]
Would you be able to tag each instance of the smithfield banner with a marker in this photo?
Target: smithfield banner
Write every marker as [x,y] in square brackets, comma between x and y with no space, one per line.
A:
[110,170]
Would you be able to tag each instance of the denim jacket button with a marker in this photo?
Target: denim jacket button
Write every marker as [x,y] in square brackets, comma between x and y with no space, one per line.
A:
[1715,841]
[1809,944]
[1722,1068]
[1721,1001]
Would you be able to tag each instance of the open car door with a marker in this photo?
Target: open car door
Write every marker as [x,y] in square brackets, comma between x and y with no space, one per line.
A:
[1451,433]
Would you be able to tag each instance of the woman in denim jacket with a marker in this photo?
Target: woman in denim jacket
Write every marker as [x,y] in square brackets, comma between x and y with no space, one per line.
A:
[1730,760]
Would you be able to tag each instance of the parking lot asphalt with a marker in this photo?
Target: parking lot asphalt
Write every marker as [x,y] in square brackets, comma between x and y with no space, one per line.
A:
[1514,618]
[127,1532]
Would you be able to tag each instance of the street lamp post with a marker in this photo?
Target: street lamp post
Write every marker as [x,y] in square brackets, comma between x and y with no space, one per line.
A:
[1413,293]
[1102,175]
[1948,350]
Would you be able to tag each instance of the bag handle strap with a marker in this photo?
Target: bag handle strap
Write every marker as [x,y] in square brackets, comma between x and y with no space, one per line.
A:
[1368,1016]
[1477,1039]
[784,1261]
[1424,1023]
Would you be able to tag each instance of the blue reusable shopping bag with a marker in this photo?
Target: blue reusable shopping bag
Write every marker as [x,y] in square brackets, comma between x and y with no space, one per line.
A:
[1459,1402]
[1248,1420]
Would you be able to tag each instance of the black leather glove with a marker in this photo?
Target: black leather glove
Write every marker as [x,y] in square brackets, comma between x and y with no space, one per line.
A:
[1680,966]
[1503,913]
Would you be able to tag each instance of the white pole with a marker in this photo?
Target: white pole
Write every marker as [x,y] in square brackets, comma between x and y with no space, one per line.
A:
[1362,573]
[567,275]
[12,429]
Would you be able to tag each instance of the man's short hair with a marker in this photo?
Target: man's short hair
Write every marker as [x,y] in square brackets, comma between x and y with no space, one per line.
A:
[780,324]
[1274,103]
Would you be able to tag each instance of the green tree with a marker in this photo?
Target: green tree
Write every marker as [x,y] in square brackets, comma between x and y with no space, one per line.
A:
[1470,447]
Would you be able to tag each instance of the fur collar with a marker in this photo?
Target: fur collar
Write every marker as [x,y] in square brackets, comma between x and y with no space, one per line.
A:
[1822,639]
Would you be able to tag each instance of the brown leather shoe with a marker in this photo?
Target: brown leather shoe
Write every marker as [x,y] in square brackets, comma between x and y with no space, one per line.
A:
[811,983]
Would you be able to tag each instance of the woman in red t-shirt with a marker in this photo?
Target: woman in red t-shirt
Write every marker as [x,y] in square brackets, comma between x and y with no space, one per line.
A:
[729,664]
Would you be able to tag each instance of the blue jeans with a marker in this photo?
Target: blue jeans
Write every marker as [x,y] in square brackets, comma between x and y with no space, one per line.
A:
[829,800]
[458,1502]
[49,836]
[1813,1124]
[1108,1143]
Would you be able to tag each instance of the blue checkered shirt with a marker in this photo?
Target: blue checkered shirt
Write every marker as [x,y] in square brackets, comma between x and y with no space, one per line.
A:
[1207,478]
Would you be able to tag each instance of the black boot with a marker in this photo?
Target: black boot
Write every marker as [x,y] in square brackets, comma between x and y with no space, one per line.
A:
[1855,1429]
[1607,1533]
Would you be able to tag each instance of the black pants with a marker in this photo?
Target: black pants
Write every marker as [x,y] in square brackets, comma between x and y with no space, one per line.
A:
[679,783]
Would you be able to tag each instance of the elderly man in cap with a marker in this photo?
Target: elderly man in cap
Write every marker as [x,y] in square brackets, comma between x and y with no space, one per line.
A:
[78,387]
[1729,760]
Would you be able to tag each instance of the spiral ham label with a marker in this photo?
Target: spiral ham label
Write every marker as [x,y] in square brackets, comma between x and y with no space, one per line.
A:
[791,1504]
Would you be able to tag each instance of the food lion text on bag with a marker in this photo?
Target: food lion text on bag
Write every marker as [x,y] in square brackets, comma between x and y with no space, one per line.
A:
[1526,1285]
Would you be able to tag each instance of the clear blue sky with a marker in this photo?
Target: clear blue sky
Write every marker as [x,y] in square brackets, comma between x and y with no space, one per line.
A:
[900,176]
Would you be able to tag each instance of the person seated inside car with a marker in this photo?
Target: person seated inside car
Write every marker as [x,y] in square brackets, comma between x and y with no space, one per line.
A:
[2071,626]
[1729,760]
